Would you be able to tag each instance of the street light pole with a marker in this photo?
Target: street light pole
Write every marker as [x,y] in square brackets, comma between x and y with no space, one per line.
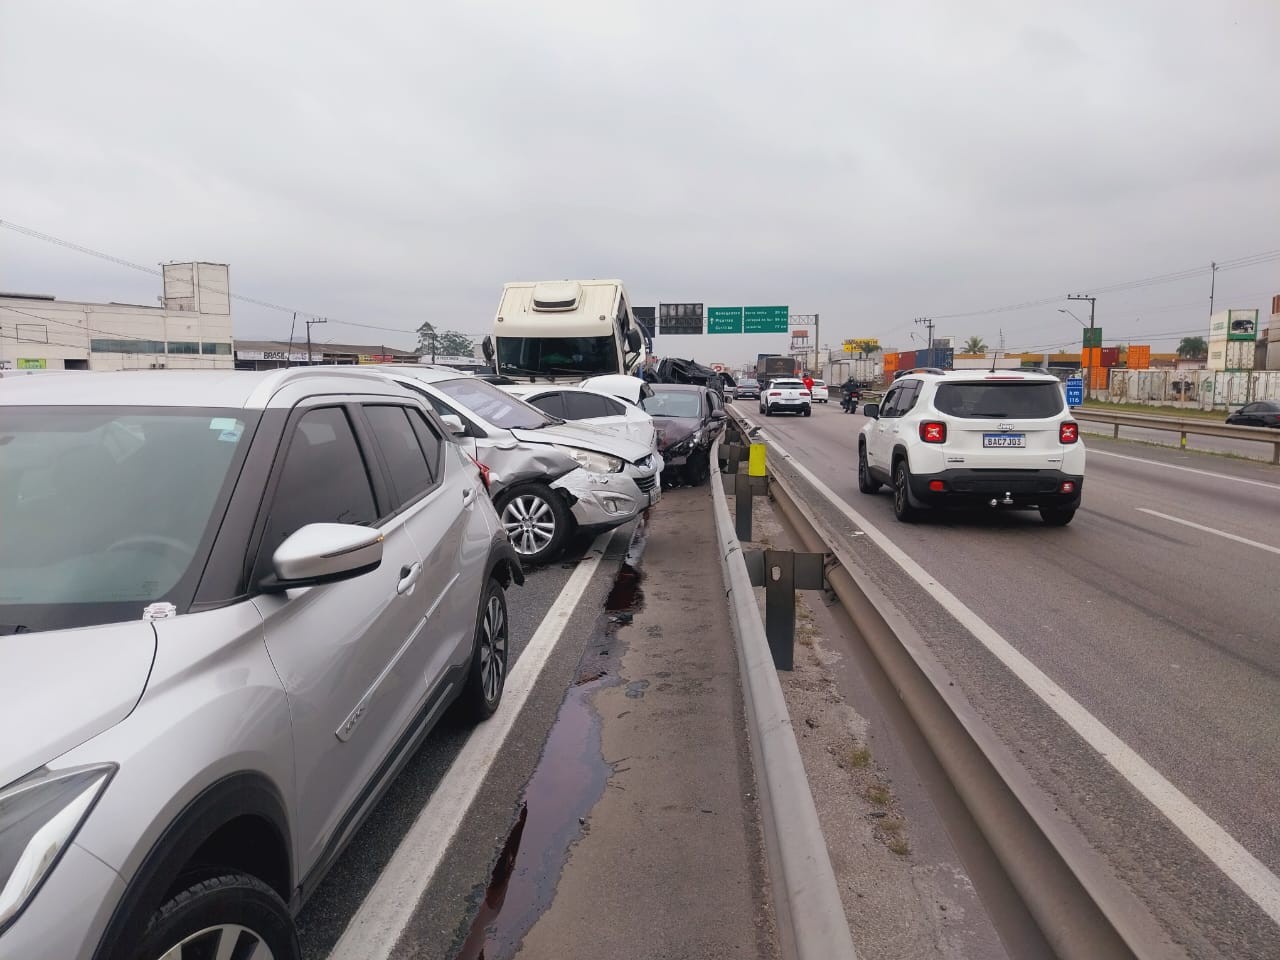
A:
[928,322]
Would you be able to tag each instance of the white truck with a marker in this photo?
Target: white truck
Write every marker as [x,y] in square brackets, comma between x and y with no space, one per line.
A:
[564,330]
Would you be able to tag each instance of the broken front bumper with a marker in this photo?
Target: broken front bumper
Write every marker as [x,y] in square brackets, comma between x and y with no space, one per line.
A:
[602,500]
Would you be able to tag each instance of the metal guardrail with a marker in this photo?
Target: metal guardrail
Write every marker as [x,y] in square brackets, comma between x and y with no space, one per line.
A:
[1181,425]
[810,914]
[1080,908]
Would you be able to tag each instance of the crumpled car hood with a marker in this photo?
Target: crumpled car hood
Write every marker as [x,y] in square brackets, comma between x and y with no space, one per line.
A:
[588,437]
[674,429]
[63,687]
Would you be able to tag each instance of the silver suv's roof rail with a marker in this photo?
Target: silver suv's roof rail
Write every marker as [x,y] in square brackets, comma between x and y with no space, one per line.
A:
[271,385]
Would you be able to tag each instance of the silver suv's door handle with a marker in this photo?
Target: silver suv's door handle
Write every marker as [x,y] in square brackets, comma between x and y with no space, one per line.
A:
[468,495]
[408,577]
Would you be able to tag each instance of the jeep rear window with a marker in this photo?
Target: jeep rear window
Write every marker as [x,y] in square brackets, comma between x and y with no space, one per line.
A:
[1016,401]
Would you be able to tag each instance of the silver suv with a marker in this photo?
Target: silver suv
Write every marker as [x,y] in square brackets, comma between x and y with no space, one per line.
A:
[231,607]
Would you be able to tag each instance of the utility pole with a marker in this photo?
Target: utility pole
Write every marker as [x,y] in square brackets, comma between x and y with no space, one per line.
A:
[310,322]
[288,357]
[928,322]
[817,341]
[1088,371]
[1213,279]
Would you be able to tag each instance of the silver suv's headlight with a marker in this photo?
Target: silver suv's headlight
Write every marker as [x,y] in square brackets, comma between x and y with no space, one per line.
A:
[594,462]
[39,815]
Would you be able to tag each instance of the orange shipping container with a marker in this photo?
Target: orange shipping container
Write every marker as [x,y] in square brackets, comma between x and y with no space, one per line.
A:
[890,363]
[1139,356]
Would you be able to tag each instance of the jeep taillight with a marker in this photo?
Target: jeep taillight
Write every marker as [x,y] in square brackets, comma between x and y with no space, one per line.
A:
[933,431]
[1068,432]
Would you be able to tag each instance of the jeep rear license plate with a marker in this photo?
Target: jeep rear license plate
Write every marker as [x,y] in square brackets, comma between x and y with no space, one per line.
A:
[1004,439]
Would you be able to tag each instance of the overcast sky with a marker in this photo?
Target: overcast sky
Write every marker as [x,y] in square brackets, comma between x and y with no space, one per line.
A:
[929,158]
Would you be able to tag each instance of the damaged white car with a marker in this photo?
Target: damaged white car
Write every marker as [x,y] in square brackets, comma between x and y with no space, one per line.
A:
[548,478]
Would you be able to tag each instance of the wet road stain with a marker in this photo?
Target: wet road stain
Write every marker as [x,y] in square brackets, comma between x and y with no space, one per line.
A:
[569,780]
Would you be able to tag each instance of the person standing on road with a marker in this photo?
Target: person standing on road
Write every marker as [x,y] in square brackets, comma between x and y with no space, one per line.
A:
[808,383]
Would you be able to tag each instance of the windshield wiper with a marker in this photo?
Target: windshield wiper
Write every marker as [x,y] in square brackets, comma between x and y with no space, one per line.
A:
[575,371]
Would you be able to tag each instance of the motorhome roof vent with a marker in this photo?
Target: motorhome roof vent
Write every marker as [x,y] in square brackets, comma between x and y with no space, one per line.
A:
[556,296]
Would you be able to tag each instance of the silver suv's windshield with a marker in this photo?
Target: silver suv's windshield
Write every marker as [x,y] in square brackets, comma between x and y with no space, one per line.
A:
[1012,399]
[105,510]
[493,405]
[557,356]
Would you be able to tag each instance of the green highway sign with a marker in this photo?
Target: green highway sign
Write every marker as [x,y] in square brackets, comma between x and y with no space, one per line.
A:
[1092,336]
[765,319]
[724,319]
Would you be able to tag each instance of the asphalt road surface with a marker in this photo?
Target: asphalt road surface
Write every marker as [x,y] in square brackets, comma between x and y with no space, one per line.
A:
[1156,610]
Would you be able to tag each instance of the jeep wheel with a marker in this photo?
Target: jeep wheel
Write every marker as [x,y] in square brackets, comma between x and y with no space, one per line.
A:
[1057,516]
[866,483]
[902,508]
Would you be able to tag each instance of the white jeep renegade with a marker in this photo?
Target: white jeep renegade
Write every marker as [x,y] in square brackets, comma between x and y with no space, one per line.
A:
[971,438]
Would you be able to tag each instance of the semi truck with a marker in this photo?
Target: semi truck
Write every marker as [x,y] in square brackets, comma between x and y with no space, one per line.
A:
[773,367]
[564,330]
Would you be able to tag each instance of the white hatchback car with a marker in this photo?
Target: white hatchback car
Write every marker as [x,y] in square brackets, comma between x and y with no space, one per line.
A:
[820,392]
[973,438]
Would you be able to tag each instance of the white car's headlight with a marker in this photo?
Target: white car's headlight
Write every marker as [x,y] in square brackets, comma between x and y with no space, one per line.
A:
[593,461]
[39,815]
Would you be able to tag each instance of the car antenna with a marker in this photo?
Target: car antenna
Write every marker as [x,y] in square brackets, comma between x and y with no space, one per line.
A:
[995,354]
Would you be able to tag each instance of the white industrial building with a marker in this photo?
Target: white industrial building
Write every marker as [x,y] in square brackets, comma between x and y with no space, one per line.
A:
[190,328]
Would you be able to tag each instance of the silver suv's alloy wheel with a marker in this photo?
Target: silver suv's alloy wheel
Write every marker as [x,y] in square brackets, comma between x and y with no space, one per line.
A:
[224,940]
[493,648]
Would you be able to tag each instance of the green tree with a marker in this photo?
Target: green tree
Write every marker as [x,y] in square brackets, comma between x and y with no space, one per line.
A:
[454,344]
[975,345]
[427,338]
[1193,348]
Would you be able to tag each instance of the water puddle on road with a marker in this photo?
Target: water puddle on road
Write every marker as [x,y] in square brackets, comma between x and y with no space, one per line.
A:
[570,778]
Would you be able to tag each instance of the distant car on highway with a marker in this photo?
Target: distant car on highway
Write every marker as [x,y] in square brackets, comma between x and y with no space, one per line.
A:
[233,606]
[1260,413]
[819,391]
[972,438]
[747,390]
[785,396]
[688,418]
[548,477]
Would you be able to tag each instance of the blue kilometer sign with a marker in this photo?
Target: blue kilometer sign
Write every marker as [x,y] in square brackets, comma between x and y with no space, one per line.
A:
[1075,392]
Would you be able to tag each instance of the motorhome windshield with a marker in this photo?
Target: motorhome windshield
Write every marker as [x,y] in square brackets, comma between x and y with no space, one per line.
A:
[557,356]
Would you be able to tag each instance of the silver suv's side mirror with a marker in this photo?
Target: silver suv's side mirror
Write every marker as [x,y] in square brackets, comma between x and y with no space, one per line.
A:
[324,553]
[454,423]
[871,410]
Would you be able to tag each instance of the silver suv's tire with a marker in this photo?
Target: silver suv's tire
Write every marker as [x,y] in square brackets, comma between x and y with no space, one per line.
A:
[232,914]
[536,520]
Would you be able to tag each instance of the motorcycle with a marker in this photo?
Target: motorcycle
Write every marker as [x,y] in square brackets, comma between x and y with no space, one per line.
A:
[848,401]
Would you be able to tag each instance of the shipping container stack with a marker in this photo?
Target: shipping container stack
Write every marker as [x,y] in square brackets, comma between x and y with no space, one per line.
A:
[1233,338]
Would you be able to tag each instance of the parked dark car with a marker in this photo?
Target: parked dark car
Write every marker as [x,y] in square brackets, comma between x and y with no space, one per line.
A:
[1260,413]
[747,390]
[688,420]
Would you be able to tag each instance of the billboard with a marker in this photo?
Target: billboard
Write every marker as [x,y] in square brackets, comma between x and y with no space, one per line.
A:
[1242,324]
[680,318]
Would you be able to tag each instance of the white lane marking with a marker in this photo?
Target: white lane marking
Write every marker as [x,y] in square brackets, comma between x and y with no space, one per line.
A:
[1218,533]
[1245,870]
[391,901]
[1173,466]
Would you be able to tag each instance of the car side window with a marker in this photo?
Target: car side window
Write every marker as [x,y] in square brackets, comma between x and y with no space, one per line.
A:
[889,406]
[907,400]
[410,474]
[583,406]
[324,479]
[613,408]
[1251,408]
[431,439]
[551,403]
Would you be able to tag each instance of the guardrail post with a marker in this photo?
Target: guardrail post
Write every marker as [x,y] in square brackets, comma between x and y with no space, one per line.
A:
[1115,432]
[1275,456]
[780,606]
[742,505]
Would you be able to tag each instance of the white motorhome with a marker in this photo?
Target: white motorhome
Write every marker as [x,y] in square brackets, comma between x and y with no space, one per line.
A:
[565,330]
